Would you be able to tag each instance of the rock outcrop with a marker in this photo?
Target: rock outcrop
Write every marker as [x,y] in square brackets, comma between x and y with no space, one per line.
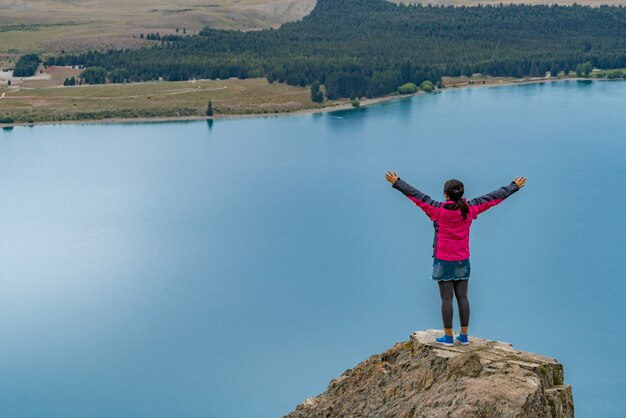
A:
[420,378]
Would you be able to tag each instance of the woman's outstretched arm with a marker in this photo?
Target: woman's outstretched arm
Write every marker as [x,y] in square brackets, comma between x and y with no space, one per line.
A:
[428,205]
[482,203]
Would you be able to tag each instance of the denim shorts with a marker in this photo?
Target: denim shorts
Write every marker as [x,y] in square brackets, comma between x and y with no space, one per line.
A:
[451,270]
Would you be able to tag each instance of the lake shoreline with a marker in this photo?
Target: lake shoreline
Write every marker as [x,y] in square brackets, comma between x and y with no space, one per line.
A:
[331,108]
[139,232]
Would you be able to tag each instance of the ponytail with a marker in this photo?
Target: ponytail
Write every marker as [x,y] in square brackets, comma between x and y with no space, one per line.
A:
[460,204]
[454,190]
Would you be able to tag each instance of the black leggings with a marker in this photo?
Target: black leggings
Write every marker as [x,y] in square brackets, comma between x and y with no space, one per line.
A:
[459,289]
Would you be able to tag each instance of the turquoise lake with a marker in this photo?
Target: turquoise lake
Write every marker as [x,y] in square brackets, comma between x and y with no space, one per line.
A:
[233,269]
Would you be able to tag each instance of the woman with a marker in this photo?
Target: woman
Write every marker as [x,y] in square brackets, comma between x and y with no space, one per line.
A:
[452,220]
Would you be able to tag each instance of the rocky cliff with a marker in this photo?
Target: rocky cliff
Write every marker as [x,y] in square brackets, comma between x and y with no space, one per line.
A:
[420,378]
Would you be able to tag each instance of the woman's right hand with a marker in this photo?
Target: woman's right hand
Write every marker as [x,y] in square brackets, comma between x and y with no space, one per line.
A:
[521,181]
[391,177]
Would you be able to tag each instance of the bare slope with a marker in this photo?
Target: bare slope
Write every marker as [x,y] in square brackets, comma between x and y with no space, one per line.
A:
[51,25]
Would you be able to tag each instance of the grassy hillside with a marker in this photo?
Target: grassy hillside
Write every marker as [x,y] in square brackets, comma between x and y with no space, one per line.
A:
[48,26]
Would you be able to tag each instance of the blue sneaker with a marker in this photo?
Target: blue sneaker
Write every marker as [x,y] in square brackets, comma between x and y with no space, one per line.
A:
[446,340]
[463,339]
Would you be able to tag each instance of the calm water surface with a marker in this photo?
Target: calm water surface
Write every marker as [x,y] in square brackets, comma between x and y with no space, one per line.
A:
[232,270]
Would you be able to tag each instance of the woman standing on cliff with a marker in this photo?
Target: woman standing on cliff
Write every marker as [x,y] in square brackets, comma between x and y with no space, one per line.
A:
[452,220]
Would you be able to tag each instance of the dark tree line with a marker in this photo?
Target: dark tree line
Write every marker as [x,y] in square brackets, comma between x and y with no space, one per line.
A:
[26,66]
[162,38]
[370,47]
[317,95]
[94,75]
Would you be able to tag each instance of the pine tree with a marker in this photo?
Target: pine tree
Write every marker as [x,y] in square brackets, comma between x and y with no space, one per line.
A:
[316,95]
[209,109]
[534,70]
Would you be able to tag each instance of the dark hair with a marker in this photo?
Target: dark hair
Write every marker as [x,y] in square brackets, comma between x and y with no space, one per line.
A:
[454,189]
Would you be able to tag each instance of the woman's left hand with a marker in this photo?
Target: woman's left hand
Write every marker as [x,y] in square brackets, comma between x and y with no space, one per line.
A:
[391,177]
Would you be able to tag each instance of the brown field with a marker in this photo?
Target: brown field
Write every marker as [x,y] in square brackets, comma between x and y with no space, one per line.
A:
[47,26]
[45,100]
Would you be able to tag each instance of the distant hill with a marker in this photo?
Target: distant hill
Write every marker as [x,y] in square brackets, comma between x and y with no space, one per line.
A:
[45,26]
[53,25]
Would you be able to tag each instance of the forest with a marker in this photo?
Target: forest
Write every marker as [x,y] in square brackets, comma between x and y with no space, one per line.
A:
[368,48]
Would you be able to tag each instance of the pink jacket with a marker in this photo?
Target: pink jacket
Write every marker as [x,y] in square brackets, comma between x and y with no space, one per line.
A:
[451,241]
